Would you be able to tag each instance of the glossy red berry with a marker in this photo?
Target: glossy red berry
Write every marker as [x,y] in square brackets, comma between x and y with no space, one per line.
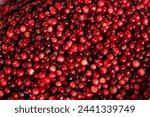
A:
[74,49]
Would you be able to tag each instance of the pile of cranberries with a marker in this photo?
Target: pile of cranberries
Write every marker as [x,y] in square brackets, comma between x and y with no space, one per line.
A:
[75,49]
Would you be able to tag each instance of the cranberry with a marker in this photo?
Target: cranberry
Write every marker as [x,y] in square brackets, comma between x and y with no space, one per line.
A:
[145,21]
[23,56]
[1,93]
[102,80]
[8,70]
[60,58]
[22,29]
[141,72]
[136,63]
[113,89]
[86,9]
[107,63]
[3,82]
[95,81]
[99,18]
[10,34]
[52,21]
[30,71]
[35,91]
[20,73]
[50,29]
[84,62]
[74,49]
[94,89]
[103,70]
[18,82]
